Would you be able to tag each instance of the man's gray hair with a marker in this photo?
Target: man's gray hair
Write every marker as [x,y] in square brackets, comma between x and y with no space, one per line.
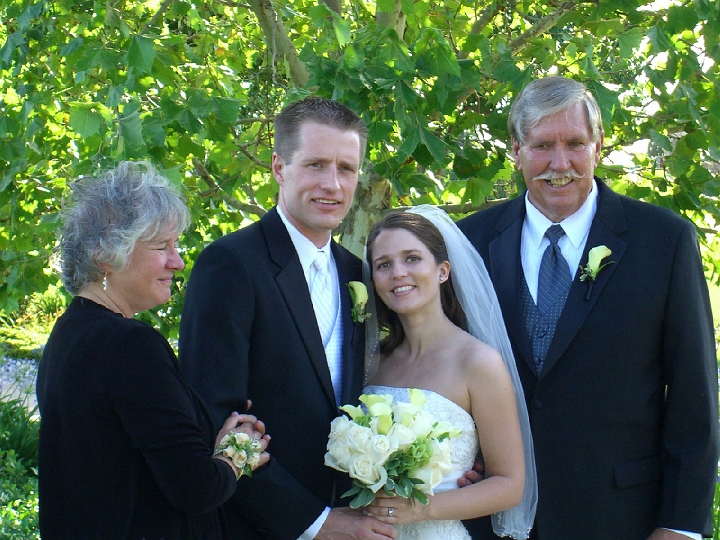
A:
[105,216]
[545,97]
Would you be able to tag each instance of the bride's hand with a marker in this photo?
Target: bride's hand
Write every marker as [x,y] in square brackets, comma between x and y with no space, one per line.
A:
[395,510]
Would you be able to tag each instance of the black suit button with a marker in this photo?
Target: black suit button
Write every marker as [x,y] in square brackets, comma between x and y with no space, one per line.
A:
[537,404]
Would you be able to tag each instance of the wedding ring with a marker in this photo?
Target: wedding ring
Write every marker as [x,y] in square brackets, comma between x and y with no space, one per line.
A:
[390,511]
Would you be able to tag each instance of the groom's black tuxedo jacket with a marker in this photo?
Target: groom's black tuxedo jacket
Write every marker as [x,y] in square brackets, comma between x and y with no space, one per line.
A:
[624,413]
[249,331]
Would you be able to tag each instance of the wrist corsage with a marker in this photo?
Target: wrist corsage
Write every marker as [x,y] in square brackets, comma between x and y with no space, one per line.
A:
[358,299]
[243,450]
[591,270]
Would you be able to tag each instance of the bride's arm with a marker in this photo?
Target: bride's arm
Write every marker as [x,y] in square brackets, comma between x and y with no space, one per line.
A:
[493,408]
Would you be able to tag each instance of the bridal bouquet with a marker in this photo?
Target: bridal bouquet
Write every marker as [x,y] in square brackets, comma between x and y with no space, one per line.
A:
[390,445]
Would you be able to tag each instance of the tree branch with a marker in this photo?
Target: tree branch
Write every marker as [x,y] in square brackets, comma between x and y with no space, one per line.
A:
[279,41]
[479,25]
[542,26]
[395,19]
[335,5]
[228,199]
[163,7]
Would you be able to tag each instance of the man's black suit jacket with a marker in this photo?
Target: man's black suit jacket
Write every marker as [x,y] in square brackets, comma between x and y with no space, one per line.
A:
[624,413]
[248,331]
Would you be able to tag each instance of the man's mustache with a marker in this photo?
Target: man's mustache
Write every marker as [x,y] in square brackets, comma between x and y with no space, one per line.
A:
[555,175]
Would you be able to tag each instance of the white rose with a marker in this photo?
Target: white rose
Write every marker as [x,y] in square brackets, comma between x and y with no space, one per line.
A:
[239,459]
[381,447]
[358,438]
[439,465]
[404,412]
[365,471]
[401,436]
[339,426]
[423,423]
[229,452]
[338,456]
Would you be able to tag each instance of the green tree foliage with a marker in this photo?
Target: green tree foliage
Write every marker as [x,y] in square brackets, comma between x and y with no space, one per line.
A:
[194,88]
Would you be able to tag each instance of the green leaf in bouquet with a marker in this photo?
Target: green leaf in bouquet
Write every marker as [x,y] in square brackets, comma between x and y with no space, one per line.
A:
[404,487]
[419,496]
[364,497]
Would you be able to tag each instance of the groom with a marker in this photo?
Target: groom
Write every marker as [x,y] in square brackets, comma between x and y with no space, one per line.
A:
[250,330]
[619,372]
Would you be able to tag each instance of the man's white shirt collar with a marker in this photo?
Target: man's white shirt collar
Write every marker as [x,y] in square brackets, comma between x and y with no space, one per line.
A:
[306,250]
[576,226]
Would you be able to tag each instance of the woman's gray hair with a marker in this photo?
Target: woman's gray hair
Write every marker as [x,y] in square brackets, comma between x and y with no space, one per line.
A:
[548,96]
[105,216]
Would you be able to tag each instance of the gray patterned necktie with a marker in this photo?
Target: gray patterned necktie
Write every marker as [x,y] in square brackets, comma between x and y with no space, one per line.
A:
[554,278]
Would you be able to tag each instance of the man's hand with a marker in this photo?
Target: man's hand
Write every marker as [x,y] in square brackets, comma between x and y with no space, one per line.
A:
[473,476]
[348,524]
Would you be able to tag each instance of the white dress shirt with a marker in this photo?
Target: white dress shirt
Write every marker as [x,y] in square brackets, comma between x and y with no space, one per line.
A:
[572,244]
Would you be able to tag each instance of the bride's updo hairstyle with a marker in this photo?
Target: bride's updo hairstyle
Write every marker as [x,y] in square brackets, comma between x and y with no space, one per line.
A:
[430,236]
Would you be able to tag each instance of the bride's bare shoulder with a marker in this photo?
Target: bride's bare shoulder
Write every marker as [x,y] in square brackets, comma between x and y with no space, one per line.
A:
[479,358]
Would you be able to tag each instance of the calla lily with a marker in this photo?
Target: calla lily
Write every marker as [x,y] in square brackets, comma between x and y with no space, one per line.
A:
[444,429]
[417,397]
[359,298]
[371,399]
[359,293]
[595,257]
[591,270]
[353,411]
[383,413]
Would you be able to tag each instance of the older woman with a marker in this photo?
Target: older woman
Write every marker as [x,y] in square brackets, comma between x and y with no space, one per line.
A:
[126,446]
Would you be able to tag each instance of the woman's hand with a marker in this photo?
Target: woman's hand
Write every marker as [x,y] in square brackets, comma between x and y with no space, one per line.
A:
[395,510]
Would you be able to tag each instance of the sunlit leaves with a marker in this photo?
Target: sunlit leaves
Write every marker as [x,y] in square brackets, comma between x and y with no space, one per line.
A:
[200,83]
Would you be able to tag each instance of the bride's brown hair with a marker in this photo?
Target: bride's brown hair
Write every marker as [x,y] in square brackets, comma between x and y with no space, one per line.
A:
[430,236]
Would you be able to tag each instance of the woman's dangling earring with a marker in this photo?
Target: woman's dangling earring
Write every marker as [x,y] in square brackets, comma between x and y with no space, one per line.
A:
[105,281]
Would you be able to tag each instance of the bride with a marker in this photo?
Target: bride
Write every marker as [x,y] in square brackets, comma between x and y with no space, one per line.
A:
[445,335]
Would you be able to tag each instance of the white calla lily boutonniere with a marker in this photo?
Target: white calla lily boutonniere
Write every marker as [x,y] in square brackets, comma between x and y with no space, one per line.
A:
[359,298]
[591,270]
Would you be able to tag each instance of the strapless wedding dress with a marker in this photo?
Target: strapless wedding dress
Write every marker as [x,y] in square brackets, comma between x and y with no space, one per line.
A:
[464,448]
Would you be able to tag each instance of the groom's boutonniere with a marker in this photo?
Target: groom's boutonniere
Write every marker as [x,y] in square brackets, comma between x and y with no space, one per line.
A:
[591,270]
[358,298]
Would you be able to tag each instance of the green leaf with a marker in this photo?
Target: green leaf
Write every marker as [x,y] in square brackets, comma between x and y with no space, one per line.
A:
[629,41]
[342,29]
[130,128]
[386,6]
[85,119]
[410,142]
[435,146]
[659,40]
[141,54]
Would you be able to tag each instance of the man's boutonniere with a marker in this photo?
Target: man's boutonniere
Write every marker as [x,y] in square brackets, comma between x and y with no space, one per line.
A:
[358,299]
[591,270]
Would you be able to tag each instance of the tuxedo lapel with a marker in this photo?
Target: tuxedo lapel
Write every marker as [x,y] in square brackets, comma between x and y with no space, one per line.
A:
[506,271]
[348,326]
[608,224]
[290,280]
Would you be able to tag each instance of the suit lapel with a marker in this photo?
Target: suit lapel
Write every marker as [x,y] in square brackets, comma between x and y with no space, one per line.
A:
[291,282]
[348,326]
[506,271]
[607,225]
